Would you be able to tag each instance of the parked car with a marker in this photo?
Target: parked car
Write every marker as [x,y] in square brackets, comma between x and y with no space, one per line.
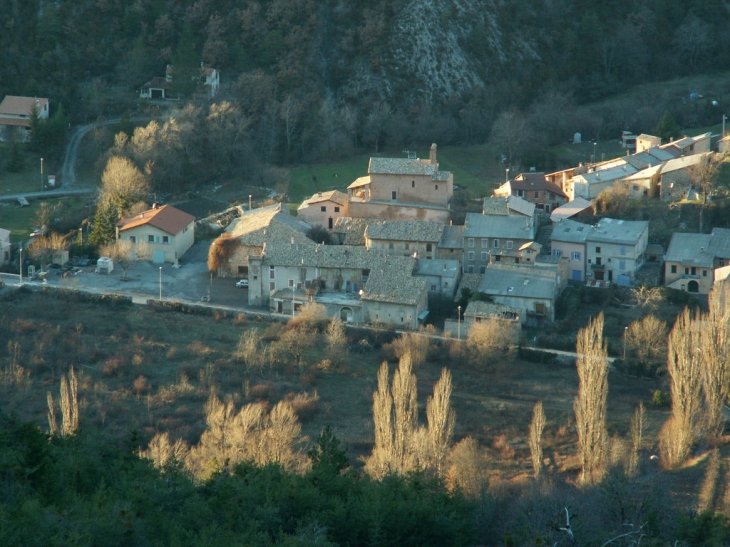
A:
[242,284]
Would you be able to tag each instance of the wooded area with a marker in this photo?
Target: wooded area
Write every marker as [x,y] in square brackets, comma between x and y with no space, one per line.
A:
[310,80]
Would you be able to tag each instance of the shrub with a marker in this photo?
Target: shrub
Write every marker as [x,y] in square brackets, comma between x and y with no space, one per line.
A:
[660,399]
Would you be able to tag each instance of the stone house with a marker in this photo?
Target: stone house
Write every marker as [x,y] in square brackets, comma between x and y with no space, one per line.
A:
[588,185]
[568,241]
[166,231]
[246,236]
[616,250]
[323,209]
[451,246]
[676,176]
[418,238]
[402,189]
[353,283]
[535,188]
[485,233]
[693,262]
[443,275]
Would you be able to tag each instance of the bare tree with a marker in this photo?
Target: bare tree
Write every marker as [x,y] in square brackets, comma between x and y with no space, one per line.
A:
[535,437]
[69,406]
[703,176]
[684,367]
[294,344]
[441,420]
[122,185]
[490,340]
[379,462]
[249,350]
[336,342]
[714,339]
[164,452]
[405,411]
[413,344]
[647,340]
[637,437]
[590,404]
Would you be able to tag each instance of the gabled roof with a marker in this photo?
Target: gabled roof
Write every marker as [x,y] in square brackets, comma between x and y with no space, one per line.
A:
[509,227]
[644,173]
[268,225]
[360,181]
[615,172]
[570,231]
[452,238]
[405,230]
[21,106]
[699,249]
[437,267]
[158,82]
[684,162]
[535,181]
[567,210]
[334,196]
[353,229]
[166,218]
[622,232]
[401,166]
[508,205]
[517,281]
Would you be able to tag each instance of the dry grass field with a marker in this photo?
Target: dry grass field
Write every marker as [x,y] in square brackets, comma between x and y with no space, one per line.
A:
[153,370]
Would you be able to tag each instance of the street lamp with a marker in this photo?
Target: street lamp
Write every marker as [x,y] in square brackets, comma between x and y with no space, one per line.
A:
[160,283]
[458,322]
[41,174]
[21,264]
[626,330]
[506,175]
[595,159]
[249,202]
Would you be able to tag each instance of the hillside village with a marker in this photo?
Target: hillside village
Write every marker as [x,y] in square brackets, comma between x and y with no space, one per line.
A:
[393,244]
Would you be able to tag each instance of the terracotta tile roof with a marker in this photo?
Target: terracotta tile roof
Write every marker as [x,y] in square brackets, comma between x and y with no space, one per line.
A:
[535,181]
[166,218]
[406,230]
[20,106]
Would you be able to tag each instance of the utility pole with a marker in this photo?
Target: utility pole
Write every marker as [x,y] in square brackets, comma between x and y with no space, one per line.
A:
[21,264]
[41,174]
[458,323]
[160,283]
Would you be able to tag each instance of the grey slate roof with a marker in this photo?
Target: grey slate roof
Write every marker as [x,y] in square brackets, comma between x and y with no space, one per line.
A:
[509,227]
[468,281]
[516,281]
[683,163]
[623,232]
[508,205]
[452,238]
[390,278]
[570,231]
[406,166]
[699,249]
[405,230]
[606,175]
[269,225]
[571,208]
[485,310]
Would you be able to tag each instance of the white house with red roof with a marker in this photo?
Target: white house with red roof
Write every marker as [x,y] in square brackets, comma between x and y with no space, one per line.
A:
[166,231]
[535,188]
[15,115]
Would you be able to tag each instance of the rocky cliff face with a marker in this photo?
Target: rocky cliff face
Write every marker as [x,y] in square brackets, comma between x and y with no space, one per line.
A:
[440,48]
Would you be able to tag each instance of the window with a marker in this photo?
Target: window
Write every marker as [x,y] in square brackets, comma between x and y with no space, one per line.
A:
[704,273]
[470,269]
[390,245]
[598,261]
[621,264]
[429,247]
[272,272]
[694,270]
[323,208]
[337,209]
[394,195]
[151,238]
[686,271]
[437,186]
[413,184]
[539,308]
[537,195]
[133,239]
[482,269]
[433,287]
[407,246]
[623,250]
[471,255]
[495,244]
[598,249]
[485,256]
[291,283]
[272,286]
[557,252]
[509,244]
[674,268]
[470,242]
[485,243]
[165,239]
[575,255]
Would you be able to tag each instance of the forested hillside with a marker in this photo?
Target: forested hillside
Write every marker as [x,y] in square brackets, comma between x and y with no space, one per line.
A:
[317,79]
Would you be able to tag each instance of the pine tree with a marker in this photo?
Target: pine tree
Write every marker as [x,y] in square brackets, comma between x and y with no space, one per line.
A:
[16,159]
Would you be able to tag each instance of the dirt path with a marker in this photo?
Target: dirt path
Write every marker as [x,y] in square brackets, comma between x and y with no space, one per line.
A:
[68,170]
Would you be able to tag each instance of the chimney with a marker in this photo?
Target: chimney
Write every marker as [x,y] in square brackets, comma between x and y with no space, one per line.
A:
[432,154]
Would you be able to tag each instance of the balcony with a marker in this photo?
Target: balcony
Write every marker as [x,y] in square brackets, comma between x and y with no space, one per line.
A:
[598,267]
